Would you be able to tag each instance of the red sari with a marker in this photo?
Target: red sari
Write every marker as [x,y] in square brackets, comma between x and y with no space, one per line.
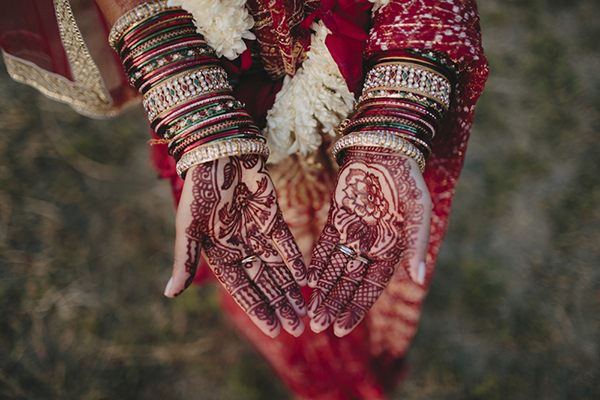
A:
[40,51]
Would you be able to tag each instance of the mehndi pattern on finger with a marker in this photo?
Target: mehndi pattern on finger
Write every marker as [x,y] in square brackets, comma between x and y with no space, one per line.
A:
[377,211]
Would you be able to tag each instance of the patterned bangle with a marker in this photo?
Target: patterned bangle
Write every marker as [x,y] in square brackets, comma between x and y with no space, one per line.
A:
[419,122]
[130,19]
[172,38]
[184,87]
[409,77]
[440,59]
[379,138]
[188,54]
[215,150]
[204,126]
[176,148]
[382,119]
[163,121]
[197,115]
[395,94]
[162,22]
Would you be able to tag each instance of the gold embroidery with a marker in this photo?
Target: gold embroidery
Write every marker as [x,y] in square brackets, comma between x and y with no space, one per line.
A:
[87,94]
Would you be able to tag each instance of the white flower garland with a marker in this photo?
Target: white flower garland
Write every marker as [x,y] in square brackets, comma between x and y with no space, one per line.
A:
[316,100]
[223,23]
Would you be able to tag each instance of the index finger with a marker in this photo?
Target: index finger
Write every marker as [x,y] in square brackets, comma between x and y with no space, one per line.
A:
[371,287]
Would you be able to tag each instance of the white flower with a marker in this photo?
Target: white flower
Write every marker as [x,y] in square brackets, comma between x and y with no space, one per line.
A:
[377,4]
[223,23]
[315,101]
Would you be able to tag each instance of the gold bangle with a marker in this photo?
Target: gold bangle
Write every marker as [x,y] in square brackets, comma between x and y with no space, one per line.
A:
[132,18]
[224,148]
[380,138]
[411,78]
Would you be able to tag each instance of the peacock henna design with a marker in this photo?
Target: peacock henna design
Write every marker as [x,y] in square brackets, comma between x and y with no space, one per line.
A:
[377,210]
[234,214]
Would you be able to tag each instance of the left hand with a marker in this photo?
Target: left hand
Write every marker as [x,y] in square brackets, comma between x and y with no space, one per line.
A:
[381,210]
[229,209]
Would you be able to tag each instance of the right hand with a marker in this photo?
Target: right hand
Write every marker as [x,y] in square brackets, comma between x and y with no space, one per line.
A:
[229,209]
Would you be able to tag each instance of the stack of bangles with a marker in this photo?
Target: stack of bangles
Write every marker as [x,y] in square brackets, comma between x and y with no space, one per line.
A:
[404,98]
[186,92]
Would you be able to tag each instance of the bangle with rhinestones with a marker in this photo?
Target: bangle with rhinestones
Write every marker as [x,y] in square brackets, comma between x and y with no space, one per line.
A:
[379,138]
[220,149]
[408,77]
[186,93]
[185,87]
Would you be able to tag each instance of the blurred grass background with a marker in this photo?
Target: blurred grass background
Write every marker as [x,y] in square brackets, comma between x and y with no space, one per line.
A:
[86,237]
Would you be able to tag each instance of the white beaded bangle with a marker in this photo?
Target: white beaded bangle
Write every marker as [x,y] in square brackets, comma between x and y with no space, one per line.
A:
[223,148]
[379,138]
[184,87]
[411,78]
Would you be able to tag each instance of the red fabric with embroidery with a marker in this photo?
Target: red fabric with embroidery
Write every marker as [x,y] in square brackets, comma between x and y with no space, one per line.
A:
[369,361]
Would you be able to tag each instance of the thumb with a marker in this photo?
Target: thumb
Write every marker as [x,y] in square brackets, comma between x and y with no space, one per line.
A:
[188,245]
[418,254]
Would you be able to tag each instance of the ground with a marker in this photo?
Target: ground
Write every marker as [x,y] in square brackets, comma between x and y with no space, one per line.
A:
[86,238]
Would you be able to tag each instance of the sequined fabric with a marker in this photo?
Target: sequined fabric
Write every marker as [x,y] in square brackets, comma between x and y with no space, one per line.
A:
[279,34]
[451,27]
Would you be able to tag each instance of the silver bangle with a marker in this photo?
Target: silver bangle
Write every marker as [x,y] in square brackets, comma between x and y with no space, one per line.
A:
[379,138]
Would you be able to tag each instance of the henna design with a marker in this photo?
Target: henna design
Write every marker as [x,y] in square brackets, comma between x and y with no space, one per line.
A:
[332,273]
[287,246]
[378,210]
[234,213]
[320,257]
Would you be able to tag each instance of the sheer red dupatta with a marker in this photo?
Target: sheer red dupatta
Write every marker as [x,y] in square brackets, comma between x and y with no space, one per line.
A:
[369,361]
[43,47]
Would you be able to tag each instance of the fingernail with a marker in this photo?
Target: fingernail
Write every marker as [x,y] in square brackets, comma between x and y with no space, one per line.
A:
[316,327]
[299,330]
[168,288]
[421,273]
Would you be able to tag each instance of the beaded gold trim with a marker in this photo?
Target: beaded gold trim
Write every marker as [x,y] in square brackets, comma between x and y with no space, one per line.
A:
[405,76]
[379,138]
[225,148]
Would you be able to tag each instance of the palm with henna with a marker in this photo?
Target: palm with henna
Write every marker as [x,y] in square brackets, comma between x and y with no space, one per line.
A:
[229,210]
[381,210]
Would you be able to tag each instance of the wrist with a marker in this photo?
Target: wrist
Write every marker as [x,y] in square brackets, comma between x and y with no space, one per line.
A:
[404,98]
[186,92]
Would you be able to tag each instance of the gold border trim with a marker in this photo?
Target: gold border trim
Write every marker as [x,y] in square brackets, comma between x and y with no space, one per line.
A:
[87,94]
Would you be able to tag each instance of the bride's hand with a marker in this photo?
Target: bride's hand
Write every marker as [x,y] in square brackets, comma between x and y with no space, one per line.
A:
[229,210]
[379,219]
